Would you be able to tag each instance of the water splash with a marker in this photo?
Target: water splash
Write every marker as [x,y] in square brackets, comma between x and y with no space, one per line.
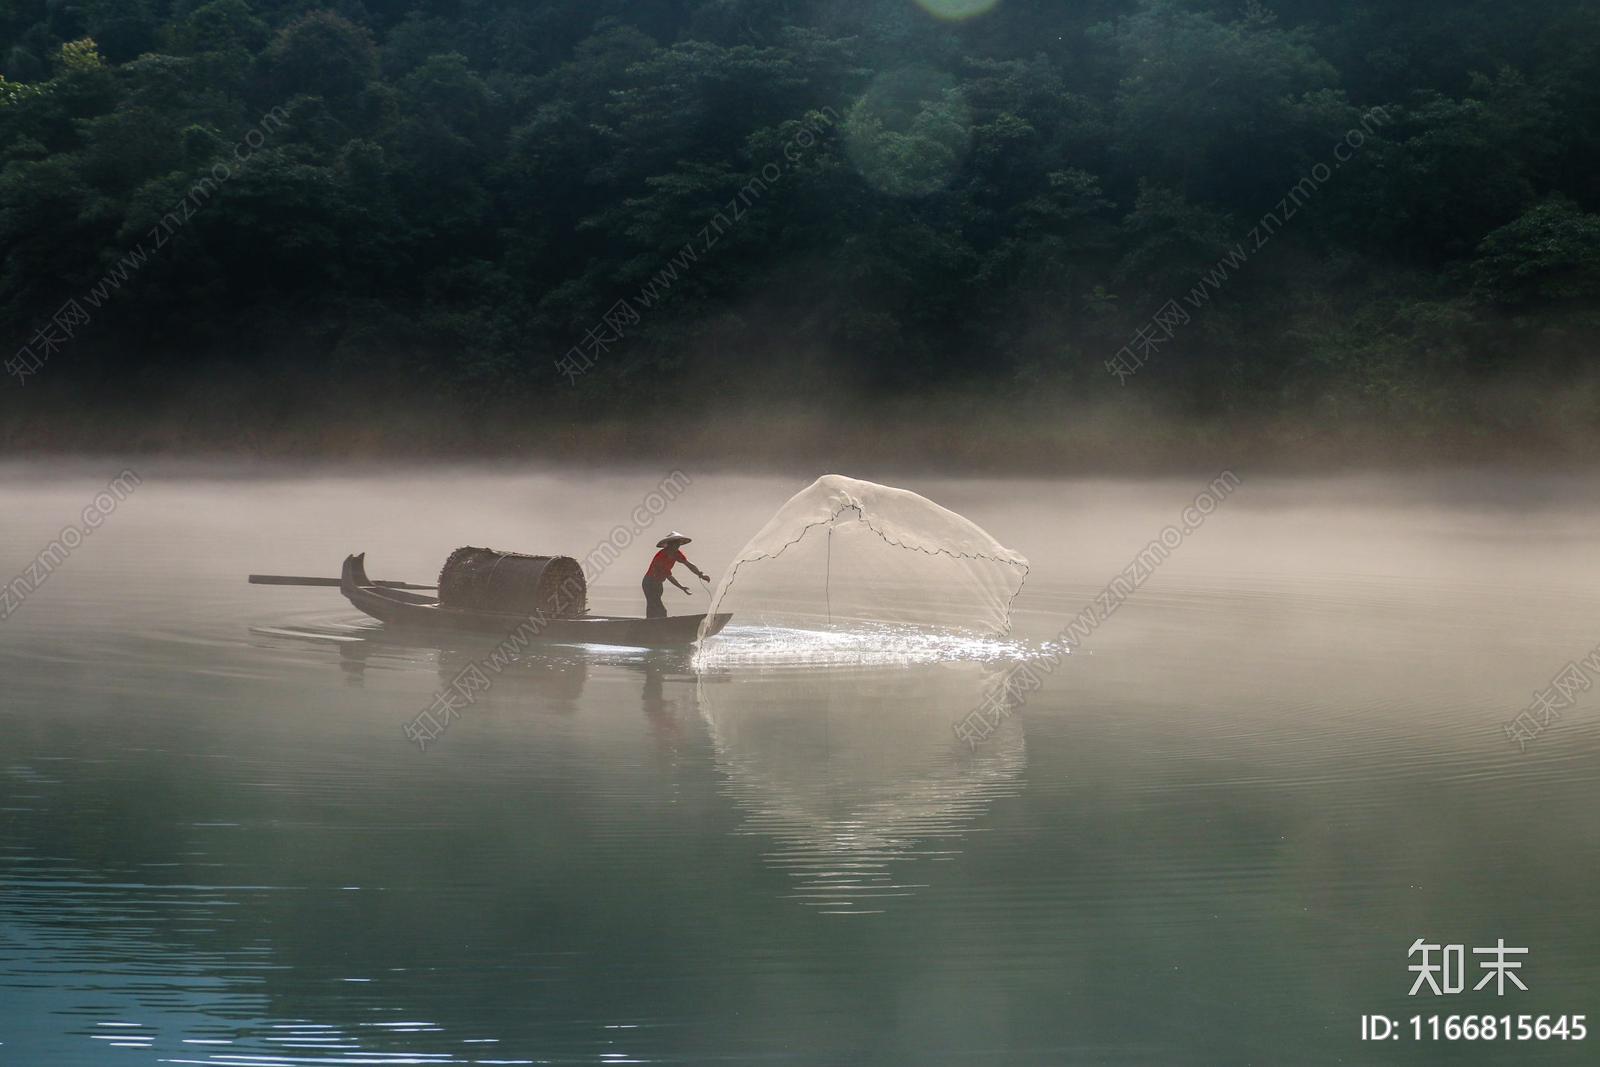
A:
[860,645]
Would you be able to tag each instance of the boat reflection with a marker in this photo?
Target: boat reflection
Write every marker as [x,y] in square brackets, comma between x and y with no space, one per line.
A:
[857,774]
[554,675]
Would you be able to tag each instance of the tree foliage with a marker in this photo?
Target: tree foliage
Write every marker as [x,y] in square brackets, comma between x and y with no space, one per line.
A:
[795,194]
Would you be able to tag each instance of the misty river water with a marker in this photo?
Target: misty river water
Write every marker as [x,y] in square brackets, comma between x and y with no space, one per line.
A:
[1212,837]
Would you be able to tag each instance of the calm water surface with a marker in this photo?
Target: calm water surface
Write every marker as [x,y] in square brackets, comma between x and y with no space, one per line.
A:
[1210,839]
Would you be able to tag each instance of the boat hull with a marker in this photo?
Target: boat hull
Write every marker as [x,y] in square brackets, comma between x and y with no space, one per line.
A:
[399,608]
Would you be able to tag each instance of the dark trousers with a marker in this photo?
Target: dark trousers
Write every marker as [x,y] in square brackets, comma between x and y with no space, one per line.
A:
[653,607]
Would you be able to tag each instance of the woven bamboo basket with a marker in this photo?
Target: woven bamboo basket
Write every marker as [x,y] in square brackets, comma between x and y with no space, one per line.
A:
[481,579]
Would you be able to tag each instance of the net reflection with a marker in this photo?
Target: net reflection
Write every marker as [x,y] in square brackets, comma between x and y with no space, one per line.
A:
[856,774]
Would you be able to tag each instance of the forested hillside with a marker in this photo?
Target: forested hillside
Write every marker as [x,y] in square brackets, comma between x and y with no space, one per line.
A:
[1350,210]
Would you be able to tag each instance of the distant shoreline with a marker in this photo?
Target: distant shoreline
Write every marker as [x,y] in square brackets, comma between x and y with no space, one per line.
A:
[958,437]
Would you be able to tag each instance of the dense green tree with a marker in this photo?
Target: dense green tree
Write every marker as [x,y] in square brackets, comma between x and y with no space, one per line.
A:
[1229,111]
[1550,253]
[221,26]
[323,54]
[792,192]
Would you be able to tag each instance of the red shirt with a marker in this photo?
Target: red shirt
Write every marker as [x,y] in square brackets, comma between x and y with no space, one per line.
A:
[661,566]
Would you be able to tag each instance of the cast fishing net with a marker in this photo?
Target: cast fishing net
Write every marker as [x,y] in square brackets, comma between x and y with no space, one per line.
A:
[848,555]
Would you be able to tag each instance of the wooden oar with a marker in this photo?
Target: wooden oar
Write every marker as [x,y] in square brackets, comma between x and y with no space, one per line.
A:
[289,579]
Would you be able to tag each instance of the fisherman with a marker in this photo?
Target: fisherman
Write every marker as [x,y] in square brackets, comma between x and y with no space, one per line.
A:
[661,570]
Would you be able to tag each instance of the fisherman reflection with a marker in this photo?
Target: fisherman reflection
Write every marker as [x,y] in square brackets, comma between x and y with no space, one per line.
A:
[659,667]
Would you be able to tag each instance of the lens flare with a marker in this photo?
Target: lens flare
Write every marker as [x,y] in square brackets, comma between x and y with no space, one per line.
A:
[910,133]
[956,9]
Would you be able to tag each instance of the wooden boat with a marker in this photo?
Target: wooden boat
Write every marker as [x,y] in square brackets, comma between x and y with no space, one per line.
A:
[398,607]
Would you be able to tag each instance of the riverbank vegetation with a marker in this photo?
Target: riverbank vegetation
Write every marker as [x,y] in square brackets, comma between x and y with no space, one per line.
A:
[454,222]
